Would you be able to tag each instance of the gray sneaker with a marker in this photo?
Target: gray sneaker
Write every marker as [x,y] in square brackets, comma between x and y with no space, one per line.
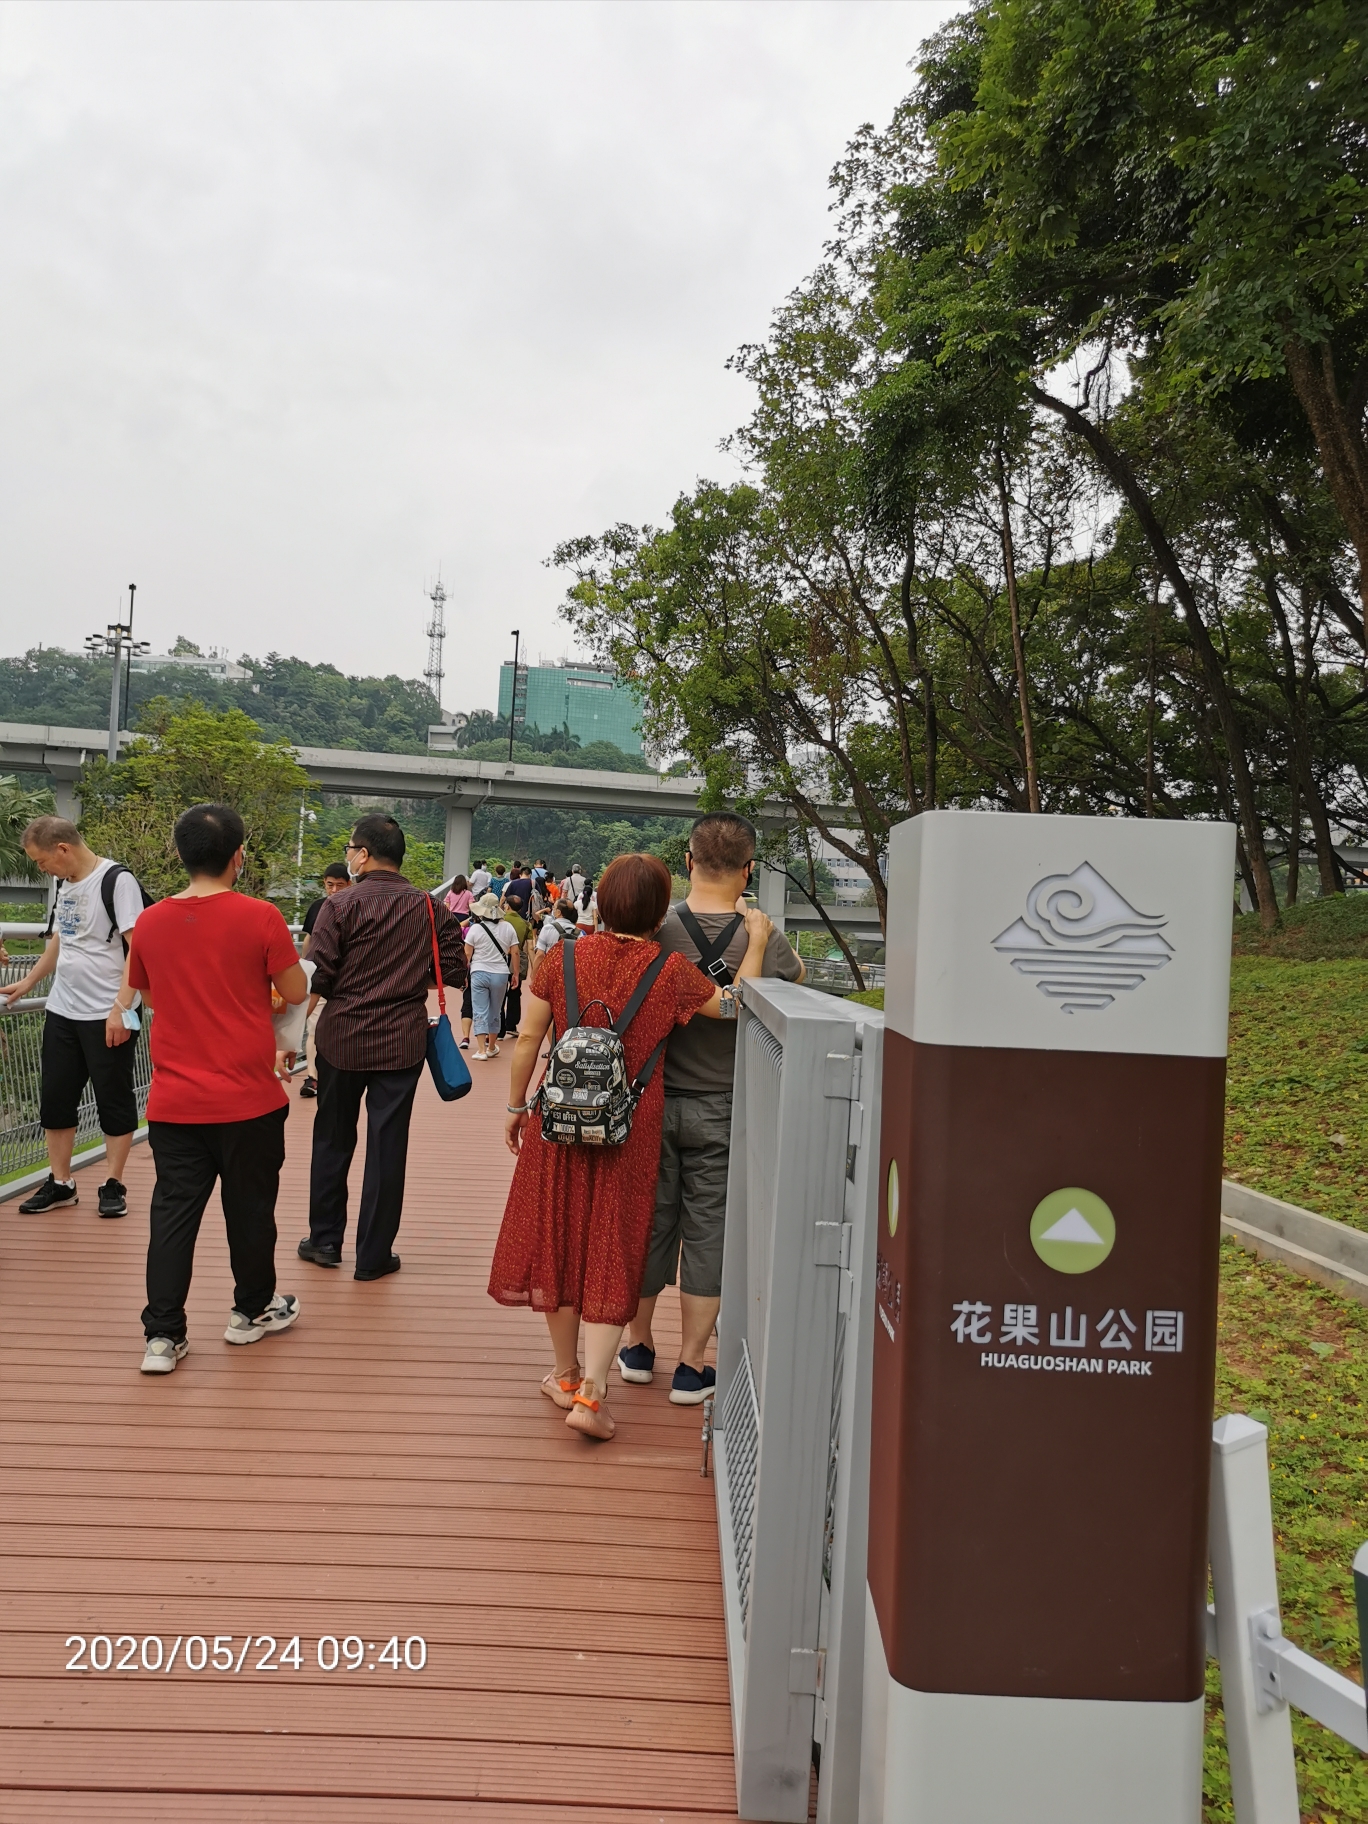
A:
[278,1315]
[162,1354]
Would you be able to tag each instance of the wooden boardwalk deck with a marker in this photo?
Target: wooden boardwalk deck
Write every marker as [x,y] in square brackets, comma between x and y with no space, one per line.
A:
[387,1468]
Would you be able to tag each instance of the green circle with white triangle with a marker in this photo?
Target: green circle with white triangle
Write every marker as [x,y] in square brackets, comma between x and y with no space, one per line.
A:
[1073,1231]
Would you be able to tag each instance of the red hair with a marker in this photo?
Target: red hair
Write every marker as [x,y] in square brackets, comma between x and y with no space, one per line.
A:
[634,894]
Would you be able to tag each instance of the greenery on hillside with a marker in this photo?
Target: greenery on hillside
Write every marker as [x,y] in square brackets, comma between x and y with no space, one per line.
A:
[1313,931]
[289,699]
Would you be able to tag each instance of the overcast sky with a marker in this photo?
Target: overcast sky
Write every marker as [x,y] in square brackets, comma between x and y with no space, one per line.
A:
[301,300]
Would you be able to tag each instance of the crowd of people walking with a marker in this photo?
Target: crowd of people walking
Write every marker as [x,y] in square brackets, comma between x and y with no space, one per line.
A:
[620,1006]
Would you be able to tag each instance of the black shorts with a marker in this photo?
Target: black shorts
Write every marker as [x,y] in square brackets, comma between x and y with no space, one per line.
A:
[74,1054]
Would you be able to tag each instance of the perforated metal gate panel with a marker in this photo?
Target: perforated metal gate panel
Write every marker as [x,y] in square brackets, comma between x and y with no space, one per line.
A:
[793,1381]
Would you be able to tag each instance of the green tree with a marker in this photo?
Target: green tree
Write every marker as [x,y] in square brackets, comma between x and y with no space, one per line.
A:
[192,755]
[18,807]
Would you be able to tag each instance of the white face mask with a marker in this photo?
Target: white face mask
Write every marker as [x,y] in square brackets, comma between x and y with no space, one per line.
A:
[352,873]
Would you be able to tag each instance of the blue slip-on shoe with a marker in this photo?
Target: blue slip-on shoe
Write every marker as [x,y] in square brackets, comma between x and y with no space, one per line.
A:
[691,1386]
[637,1364]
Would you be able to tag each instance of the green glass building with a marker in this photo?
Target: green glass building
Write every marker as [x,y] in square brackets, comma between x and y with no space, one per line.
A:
[594,705]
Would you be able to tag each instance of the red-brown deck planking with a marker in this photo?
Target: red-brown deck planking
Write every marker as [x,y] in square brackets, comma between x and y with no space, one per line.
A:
[386,1468]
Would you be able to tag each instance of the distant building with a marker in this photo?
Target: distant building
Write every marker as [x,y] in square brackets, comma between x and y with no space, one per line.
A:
[212,665]
[851,882]
[595,705]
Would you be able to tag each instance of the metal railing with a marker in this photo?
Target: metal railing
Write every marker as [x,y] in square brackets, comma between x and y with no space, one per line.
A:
[834,972]
[22,1147]
[793,1395]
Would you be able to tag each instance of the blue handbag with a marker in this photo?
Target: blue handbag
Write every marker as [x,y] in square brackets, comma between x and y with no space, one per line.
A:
[450,1072]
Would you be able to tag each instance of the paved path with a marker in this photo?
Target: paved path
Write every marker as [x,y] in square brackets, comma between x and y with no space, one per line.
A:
[386,1470]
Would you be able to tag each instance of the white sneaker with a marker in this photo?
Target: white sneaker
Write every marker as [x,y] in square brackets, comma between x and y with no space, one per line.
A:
[162,1355]
[278,1315]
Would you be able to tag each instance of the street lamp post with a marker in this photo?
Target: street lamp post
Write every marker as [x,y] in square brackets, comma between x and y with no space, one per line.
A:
[117,640]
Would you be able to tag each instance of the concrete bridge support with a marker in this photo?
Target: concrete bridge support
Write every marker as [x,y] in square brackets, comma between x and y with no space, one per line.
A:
[456,856]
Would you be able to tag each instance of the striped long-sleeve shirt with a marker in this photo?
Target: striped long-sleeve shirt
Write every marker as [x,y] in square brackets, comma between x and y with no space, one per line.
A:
[372,951]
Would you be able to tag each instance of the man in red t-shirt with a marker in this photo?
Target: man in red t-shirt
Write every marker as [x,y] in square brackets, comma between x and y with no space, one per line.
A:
[206,960]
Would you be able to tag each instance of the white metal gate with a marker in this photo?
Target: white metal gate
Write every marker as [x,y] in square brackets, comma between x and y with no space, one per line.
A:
[794,1365]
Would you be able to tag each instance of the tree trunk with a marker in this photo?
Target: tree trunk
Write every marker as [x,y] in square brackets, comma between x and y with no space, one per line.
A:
[836,936]
[924,676]
[1294,843]
[1018,650]
[1343,452]
[1331,876]
[1118,468]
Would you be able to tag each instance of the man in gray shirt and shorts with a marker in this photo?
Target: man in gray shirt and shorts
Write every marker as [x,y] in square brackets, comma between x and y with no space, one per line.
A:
[691,1192]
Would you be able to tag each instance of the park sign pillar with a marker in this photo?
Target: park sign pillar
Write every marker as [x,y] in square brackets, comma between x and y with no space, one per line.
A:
[1045,1330]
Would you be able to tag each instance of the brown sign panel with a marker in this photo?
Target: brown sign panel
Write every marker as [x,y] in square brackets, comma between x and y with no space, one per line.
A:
[1041,1423]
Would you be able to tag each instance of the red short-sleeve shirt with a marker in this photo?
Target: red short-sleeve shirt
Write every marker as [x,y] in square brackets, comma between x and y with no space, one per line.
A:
[207,964]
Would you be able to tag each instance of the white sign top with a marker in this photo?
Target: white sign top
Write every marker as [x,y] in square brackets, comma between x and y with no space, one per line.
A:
[1060,933]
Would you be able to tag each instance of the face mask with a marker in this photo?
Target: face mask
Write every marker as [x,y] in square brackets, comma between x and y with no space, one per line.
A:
[353,873]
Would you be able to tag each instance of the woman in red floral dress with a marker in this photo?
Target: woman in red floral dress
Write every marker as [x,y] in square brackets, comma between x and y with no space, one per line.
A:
[578,1219]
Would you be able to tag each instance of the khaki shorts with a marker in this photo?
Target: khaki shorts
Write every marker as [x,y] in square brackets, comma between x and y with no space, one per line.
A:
[691,1197]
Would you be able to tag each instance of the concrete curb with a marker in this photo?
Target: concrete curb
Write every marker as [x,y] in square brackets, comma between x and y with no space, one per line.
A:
[1324,1250]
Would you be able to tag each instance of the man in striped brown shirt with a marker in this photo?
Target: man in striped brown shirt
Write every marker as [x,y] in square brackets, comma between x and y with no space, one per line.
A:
[372,951]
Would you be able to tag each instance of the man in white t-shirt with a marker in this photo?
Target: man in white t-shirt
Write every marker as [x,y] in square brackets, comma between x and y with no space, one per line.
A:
[479,881]
[89,1021]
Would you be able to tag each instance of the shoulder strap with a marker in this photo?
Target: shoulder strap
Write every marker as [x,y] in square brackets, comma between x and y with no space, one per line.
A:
[476,920]
[572,1006]
[648,1067]
[436,957]
[711,951]
[108,881]
[643,988]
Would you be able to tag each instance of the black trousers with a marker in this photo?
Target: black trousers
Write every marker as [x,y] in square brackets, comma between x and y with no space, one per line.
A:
[245,1158]
[74,1054]
[389,1104]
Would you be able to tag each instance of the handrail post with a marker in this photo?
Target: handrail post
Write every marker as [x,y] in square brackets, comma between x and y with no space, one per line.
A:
[1244,1578]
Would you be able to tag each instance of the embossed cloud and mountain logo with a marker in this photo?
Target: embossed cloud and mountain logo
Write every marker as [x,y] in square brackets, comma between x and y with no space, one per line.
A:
[1081,943]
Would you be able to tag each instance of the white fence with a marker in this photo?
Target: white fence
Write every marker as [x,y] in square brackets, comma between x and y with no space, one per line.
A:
[794,1372]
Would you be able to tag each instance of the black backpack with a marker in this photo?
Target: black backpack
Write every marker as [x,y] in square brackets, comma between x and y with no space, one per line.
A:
[585,1097]
[108,881]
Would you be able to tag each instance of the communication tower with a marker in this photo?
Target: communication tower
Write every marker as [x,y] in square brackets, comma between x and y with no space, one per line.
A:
[436,632]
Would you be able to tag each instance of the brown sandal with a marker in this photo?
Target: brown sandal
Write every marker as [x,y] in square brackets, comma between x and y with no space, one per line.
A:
[589,1414]
[562,1388]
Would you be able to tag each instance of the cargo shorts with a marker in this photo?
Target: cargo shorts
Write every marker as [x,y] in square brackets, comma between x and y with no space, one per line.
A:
[691,1196]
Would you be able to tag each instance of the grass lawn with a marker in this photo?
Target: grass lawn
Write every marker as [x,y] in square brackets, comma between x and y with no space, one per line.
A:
[1298,1084]
[1295,1356]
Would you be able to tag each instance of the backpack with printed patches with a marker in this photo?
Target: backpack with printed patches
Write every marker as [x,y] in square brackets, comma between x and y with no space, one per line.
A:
[585,1096]
[108,881]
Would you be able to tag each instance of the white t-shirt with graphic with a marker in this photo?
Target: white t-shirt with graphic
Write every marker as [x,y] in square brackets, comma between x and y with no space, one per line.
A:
[90,960]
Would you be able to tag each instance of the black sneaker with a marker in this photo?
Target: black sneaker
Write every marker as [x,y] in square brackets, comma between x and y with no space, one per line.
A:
[691,1386]
[637,1363]
[49,1196]
[113,1198]
[308,1089]
[320,1255]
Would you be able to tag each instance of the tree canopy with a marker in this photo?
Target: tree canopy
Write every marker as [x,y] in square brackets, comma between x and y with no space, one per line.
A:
[1057,481]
